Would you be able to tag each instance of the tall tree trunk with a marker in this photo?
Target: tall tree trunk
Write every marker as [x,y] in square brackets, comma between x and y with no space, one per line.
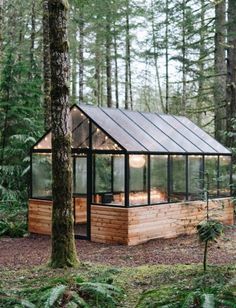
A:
[128,85]
[231,74]
[32,41]
[167,55]
[155,53]
[200,96]
[1,29]
[74,75]
[130,80]
[108,59]
[184,84]
[97,75]
[220,71]
[81,53]
[116,69]
[46,67]
[63,243]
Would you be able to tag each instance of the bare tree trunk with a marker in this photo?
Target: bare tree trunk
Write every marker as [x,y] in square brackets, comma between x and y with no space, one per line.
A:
[74,75]
[1,29]
[32,40]
[63,243]
[200,96]
[97,75]
[130,81]
[231,74]
[81,54]
[128,86]
[108,59]
[184,84]
[220,71]
[167,55]
[116,69]
[156,58]
[46,67]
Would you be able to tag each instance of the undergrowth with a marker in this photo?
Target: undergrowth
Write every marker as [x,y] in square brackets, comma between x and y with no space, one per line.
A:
[13,219]
[93,285]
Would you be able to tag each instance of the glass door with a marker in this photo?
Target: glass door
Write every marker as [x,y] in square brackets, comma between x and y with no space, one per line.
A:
[80,195]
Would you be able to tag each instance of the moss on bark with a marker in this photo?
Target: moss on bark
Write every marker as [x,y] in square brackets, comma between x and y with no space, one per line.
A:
[63,243]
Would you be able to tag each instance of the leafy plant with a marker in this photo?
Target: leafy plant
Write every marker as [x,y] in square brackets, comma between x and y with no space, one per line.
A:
[105,295]
[76,293]
[55,295]
[12,229]
[209,229]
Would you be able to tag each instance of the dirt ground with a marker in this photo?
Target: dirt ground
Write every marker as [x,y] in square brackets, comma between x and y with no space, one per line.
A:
[35,250]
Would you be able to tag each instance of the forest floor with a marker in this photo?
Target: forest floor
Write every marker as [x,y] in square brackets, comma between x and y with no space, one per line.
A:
[163,269]
[34,250]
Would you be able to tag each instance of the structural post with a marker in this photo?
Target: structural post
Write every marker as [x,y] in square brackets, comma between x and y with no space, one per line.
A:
[126,180]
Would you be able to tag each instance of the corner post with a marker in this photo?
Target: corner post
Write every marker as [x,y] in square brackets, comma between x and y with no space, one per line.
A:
[126,180]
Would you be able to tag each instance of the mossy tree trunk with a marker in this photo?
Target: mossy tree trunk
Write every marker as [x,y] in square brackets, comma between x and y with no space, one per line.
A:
[220,70]
[231,74]
[63,243]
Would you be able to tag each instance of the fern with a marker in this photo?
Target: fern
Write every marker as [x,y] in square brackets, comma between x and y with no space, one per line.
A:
[27,304]
[55,294]
[103,292]
[12,229]
[208,301]
[77,300]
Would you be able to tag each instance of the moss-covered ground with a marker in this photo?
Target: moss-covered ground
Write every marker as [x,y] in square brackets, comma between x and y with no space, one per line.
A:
[166,280]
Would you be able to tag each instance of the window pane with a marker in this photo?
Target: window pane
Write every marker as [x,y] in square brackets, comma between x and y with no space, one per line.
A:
[118,179]
[118,173]
[45,143]
[80,129]
[138,179]
[41,176]
[224,175]
[80,185]
[178,178]
[195,177]
[101,141]
[158,178]
[211,163]
[109,169]
[103,173]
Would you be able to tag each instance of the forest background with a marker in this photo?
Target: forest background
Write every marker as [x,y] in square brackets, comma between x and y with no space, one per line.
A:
[175,57]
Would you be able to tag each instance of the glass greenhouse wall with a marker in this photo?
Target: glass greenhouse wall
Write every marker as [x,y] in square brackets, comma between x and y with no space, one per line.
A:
[125,158]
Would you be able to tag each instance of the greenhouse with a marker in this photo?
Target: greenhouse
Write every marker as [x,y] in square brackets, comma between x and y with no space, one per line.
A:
[136,176]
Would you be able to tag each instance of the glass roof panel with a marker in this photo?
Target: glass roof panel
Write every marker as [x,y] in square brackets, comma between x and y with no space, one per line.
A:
[161,138]
[112,128]
[136,131]
[80,129]
[100,141]
[170,131]
[195,139]
[203,135]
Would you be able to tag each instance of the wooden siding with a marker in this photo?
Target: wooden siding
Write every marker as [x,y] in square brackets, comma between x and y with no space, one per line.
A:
[131,226]
[136,225]
[40,215]
[80,210]
[109,224]
[171,220]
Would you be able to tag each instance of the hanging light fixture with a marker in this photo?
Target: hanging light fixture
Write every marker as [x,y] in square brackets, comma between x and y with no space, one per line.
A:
[137,161]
